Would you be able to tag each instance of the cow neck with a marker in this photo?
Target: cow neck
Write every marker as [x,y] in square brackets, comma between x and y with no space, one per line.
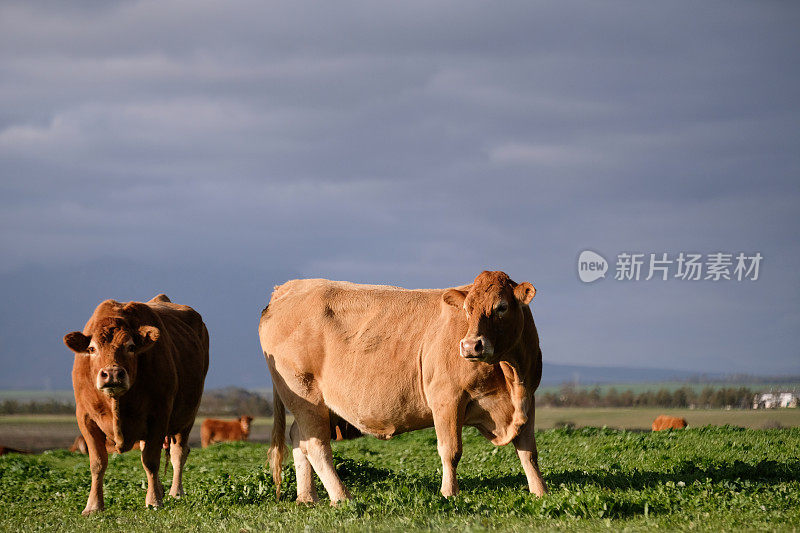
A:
[117,423]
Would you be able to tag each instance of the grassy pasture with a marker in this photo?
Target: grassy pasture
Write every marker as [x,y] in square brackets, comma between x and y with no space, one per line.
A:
[642,417]
[711,478]
[43,432]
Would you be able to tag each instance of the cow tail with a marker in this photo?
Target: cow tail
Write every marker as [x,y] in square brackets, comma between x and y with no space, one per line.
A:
[167,443]
[277,447]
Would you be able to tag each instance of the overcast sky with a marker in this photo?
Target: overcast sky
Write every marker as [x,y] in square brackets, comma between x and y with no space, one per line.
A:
[211,150]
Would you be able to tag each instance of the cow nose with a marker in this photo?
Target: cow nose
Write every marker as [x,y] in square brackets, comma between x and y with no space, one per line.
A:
[112,375]
[472,347]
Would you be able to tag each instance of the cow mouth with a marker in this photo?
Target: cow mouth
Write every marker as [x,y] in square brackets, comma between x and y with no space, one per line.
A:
[482,358]
[114,390]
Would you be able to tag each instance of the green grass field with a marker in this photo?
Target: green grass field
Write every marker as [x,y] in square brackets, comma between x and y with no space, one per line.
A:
[44,432]
[708,478]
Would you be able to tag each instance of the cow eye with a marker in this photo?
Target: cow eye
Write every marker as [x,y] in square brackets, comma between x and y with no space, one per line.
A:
[501,308]
[130,347]
[90,349]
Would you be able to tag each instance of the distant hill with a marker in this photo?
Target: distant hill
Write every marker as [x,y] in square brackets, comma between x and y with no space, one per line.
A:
[556,374]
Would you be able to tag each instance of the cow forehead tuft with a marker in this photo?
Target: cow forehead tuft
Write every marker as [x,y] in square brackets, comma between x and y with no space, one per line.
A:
[112,330]
[491,283]
[486,279]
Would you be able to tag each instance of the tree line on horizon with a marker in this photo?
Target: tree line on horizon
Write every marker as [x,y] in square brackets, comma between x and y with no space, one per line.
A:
[230,401]
[569,395]
[234,401]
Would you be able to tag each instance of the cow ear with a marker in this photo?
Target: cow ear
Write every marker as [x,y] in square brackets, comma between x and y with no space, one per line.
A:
[77,341]
[524,292]
[148,335]
[454,297]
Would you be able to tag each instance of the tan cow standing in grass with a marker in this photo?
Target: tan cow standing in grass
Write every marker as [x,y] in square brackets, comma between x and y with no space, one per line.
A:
[389,360]
[138,376]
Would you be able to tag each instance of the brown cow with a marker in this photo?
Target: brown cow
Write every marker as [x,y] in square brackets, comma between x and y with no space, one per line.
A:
[5,450]
[213,430]
[389,360]
[138,376]
[663,422]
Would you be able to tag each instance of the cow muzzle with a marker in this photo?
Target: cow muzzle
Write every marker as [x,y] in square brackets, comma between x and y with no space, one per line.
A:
[113,381]
[475,348]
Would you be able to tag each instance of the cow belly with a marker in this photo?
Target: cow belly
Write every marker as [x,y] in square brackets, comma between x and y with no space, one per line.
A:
[380,402]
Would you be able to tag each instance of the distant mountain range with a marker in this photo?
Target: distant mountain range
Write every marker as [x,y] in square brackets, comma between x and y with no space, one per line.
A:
[556,374]
[553,375]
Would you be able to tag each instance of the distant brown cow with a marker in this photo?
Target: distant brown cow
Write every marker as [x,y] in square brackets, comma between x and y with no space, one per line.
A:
[138,376]
[389,360]
[213,430]
[4,450]
[668,422]
[79,446]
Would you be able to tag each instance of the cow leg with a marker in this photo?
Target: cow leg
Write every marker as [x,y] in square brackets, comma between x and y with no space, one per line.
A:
[448,437]
[315,437]
[306,491]
[525,443]
[151,459]
[178,452]
[98,461]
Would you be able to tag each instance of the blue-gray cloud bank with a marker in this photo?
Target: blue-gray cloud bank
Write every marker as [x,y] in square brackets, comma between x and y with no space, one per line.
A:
[212,150]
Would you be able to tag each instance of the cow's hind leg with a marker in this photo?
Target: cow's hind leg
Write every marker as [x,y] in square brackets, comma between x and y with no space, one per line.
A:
[306,491]
[178,452]
[315,438]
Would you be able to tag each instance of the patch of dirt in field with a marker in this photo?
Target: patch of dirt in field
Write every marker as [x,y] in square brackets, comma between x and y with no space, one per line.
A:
[36,436]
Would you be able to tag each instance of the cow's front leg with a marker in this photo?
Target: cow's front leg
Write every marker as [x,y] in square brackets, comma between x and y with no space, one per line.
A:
[448,437]
[98,461]
[525,443]
[151,459]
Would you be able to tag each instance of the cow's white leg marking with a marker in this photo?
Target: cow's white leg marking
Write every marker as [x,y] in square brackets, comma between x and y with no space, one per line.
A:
[178,452]
[315,438]
[525,443]
[306,491]
[448,436]
[321,458]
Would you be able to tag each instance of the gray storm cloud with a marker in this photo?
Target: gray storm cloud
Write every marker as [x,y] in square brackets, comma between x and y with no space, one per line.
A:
[212,150]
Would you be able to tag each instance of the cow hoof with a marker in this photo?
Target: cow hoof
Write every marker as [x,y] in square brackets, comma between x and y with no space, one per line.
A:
[178,494]
[87,511]
[344,501]
[306,501]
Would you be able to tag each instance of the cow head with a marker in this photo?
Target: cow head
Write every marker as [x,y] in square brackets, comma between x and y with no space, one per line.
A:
[113,347]
[244,421]
[493,305]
